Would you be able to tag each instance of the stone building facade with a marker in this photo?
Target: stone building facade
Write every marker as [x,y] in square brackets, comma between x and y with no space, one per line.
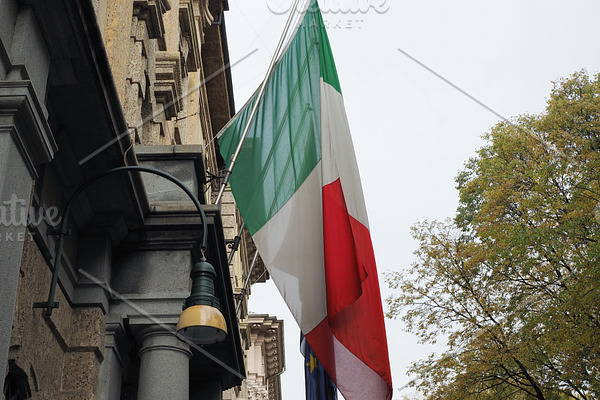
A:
[266,357]
[90,85]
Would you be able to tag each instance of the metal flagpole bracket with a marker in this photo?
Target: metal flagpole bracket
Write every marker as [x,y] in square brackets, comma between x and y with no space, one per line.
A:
[45,304]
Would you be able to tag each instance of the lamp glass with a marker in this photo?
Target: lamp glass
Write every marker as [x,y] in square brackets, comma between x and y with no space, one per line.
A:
[202,324]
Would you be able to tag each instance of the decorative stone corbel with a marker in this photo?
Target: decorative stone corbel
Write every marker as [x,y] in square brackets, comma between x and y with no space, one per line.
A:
[167,84]
[152,12]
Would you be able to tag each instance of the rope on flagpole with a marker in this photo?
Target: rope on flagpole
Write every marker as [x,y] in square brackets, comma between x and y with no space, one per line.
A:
[256,101]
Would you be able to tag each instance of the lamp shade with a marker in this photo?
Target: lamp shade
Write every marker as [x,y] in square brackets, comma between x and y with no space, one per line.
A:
[201,321]
[202,324]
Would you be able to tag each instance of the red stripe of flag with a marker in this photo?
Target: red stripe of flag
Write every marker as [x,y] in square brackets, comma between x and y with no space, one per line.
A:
[355,312]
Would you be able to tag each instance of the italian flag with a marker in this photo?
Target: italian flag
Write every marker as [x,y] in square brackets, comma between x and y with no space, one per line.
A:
[297,185]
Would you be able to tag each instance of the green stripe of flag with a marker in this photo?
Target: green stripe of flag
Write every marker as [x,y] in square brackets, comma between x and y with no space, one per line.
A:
[327,63]
[283,145]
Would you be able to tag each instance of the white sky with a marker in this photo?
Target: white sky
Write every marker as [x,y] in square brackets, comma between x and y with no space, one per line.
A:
[412,132]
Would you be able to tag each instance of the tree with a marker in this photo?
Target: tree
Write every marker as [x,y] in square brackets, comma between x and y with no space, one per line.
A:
[513,280]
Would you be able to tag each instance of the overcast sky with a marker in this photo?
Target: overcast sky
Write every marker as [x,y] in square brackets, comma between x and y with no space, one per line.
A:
[412,131]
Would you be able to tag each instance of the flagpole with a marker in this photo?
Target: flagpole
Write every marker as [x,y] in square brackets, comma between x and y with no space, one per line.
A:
[243,292]
[257,100]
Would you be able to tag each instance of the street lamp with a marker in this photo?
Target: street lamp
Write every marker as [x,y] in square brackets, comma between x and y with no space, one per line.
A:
[201,321]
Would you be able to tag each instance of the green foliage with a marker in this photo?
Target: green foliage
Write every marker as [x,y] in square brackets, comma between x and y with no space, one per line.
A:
[513,280]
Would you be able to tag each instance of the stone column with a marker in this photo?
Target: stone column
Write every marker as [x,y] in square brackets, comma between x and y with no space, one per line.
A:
[164,366]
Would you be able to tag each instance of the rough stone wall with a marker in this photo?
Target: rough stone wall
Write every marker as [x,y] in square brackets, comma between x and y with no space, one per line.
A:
[154,53]
[116,33]
[61,353]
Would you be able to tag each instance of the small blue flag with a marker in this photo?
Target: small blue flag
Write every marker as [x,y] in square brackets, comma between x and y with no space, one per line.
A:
[318,384]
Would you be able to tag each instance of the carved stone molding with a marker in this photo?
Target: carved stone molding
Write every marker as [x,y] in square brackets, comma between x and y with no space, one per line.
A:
[152,12]
[204,16]
[267,334]
[23,116]
[190,47]
[116,337]
[167,84]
